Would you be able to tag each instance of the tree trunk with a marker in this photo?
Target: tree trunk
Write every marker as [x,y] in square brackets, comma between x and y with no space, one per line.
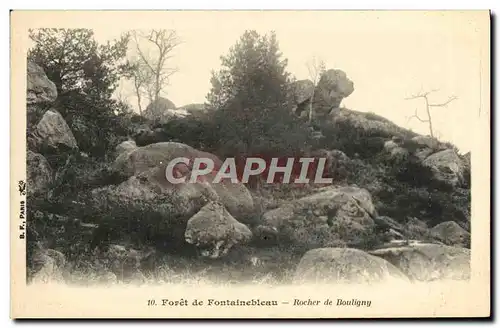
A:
[429,116]
[311,107]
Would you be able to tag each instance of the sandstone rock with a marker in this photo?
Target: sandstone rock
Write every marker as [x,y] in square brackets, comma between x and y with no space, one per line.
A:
[47,266]
[125,146]
[214,231]
[450,233]
[328,218]
[446,166]
[427,262]
[333,86]
[235,196]
[345,265]
[159,109]
[52,131]
[39,88]
[39,173]
[151,190]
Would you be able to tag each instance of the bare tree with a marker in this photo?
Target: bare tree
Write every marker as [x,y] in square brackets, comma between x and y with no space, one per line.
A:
[316,67]
[143,81]
[428,106]
[151,74]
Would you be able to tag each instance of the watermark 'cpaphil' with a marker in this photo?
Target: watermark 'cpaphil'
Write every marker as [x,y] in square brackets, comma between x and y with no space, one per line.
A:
[282,170]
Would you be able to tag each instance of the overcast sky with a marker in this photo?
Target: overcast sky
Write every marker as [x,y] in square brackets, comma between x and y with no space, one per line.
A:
[388,55]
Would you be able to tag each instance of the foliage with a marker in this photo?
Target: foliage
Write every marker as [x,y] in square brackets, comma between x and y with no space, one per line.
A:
[250,96]
[252,74]
[86,74]
[74,60]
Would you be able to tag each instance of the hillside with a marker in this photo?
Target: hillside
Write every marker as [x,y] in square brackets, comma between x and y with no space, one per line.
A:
[399,204]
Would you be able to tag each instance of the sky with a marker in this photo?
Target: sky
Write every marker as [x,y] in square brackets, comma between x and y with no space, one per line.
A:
[388,55]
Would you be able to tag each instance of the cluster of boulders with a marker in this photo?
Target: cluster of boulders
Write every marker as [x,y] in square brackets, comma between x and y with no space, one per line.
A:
[335,229]
[51,135]
[445,163]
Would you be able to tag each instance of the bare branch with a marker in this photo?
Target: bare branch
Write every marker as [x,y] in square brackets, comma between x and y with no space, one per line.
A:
[421,94]
[417,117]
[443,104]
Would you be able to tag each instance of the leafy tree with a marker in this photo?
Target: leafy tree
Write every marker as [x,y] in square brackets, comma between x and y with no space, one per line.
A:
[250,96]
[252,74]
[86,74]
[74,60]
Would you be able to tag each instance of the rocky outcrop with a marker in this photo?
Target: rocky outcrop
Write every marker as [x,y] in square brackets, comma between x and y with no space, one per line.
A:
[39,173]
[160,109]
[370,124]
[345,265]
[446,167]
[428,262]
[333,86]
[450,233]
[235,196]
[53,132]
[330,217]
[39,88]
[214,231]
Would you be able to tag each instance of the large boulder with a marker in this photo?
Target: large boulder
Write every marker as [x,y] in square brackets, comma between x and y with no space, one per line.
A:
[329,218]
[333,86]
[53,132]
[144,158]
[149,191]
[46,266]
[427,262]
[39,88]
[39,173]
[235,196]
[159,109]
[215,231]
[446,167]
[450,233]
[125,147]
[345,265]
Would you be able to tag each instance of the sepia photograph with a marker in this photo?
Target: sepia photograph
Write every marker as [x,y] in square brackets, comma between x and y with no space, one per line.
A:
[250,164]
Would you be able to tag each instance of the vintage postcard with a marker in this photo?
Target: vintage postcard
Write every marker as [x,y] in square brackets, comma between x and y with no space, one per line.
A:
[250,164]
